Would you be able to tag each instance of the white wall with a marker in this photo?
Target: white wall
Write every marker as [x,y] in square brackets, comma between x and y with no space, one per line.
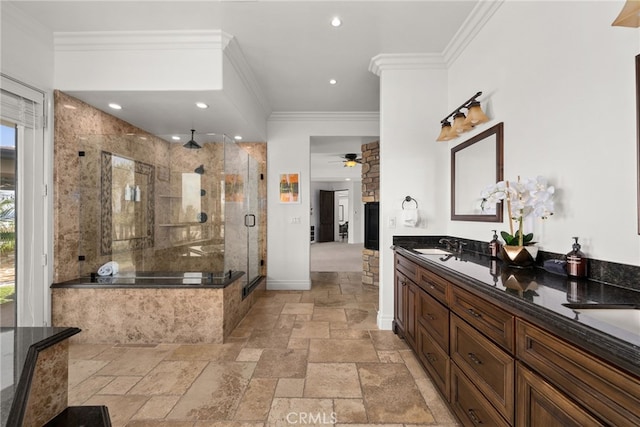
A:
[27,56]
[562,80]
[288,243]
[411,106]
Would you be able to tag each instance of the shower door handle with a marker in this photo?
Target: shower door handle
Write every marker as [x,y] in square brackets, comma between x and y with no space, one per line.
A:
[252,217]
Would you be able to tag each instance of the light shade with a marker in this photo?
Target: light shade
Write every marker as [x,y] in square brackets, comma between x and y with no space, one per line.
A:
[459,124]
[350,163]
[629,15]
[475,115]
[445,133]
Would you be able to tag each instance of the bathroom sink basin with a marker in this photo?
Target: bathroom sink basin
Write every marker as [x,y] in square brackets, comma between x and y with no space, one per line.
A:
[621,316]
[433,251]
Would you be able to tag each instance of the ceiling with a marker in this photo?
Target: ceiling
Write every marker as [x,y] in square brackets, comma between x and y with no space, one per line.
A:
[290,47]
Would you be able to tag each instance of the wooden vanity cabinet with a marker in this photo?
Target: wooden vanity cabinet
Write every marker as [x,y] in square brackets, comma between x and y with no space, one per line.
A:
[496,368]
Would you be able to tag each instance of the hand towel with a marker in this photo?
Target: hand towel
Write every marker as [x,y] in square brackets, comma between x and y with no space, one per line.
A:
[409,217]
[108,269]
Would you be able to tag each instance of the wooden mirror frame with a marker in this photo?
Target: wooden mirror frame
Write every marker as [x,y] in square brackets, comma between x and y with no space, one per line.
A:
[498,131]
[638,137]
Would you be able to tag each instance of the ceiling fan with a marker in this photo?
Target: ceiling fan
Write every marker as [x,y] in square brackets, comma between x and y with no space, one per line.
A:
[351,159]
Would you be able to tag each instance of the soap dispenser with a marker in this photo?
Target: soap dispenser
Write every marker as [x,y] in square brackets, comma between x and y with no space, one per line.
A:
[494,245]
[576,261]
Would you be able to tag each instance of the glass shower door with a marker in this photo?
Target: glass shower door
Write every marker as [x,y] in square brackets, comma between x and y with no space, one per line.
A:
[242,221]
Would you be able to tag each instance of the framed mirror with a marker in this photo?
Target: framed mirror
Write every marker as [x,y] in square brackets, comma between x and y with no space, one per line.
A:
[475,164]
[638,135]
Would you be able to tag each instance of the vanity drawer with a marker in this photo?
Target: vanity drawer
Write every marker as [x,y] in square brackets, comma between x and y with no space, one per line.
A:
[468,403]
[406,267]
[611,394]
[489,367]
[489,319]
[435,285]
[434,317]
[435,360]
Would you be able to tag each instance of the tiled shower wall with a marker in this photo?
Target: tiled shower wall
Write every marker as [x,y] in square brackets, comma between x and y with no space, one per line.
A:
[74,198]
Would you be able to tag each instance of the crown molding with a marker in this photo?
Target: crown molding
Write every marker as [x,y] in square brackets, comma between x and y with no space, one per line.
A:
[236,57]
[317,116]
[406,61]
[140,40]
[477,19]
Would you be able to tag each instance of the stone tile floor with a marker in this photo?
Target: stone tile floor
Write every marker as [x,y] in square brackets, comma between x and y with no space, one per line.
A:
[298,358]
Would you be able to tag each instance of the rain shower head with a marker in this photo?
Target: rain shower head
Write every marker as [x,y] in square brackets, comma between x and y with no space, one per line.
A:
[192,144]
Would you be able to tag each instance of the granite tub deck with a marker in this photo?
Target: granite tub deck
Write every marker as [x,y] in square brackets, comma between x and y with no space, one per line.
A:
[161,310]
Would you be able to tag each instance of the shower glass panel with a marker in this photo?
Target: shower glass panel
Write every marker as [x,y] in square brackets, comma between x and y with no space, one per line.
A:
[150,206]
[241,221]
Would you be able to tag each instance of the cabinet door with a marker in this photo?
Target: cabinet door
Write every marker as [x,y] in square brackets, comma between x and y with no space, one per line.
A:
[400,312]
[489,368]
[541,405]
[469,404]
[492,321]
[611,394]
[434,359]
[434,317]
[411,302]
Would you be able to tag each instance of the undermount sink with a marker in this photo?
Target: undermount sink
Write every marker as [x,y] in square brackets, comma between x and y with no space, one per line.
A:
[433,251]
[622,316]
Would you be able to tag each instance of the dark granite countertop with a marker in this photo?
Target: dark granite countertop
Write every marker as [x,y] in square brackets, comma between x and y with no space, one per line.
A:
[551,300]
[18,363]
[155,280]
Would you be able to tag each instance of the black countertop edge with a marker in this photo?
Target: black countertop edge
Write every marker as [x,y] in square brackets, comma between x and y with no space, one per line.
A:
[621,353]
[607,272]
[146,283]
[21,395]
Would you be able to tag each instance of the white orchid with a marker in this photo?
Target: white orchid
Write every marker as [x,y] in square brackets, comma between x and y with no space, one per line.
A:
[531,196]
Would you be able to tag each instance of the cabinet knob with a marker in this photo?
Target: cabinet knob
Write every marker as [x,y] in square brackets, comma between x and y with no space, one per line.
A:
[430,357]
[474,313]
[430,316]
[474,358]
[474,417]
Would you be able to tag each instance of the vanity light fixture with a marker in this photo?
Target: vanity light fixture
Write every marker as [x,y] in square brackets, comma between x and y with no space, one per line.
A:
[457,122]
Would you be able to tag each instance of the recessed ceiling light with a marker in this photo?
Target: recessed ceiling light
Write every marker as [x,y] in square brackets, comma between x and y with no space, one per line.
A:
[333,81]
[211,134]
[175,138]
[347,179]
[69,106]
[201,105]
[115,106]
[237,137]
[336,22]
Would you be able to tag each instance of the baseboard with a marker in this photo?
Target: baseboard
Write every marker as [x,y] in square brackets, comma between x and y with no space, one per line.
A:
[385,322]
[288,285]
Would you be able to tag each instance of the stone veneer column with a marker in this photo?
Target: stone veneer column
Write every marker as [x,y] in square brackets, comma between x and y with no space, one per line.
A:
[371,193]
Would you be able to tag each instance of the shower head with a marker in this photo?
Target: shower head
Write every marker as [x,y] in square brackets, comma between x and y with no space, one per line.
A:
[192,143]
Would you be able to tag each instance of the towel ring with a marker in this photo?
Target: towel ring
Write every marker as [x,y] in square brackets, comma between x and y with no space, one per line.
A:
[409,199]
